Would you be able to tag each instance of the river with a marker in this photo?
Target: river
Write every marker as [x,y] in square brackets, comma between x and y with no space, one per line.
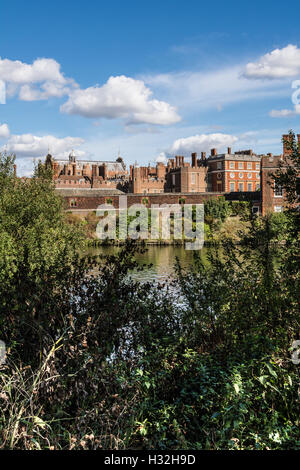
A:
[162,259]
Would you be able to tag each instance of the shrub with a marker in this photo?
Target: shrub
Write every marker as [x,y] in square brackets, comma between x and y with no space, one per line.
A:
[241,208]
[216,209]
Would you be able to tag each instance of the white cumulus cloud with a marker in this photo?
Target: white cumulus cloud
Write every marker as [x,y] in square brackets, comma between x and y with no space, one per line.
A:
[4,131]
[285,112]
[161,158]
[201,142]
[280,63]
[28,145]
[121,97]
[40,80]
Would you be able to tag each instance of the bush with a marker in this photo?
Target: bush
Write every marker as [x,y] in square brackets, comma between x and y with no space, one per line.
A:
[216,209]
[241,209]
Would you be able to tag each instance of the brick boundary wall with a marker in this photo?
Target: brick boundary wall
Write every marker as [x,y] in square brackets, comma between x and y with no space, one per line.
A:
[89,201]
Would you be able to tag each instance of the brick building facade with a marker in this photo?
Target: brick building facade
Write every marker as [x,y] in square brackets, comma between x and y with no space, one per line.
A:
[147,179]
[183,177]
[175,177]
[87,173]
[272,196]
[230,172]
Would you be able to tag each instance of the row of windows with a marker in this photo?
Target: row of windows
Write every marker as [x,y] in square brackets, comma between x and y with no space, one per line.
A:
[241,187]
[241,165]
[241,175]
[154,191]
[72,181]
[78,182]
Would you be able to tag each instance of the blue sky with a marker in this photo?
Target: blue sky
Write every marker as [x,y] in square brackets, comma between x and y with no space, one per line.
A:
[149,78]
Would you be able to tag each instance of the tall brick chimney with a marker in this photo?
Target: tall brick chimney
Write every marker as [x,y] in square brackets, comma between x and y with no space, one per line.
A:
[94,170]
[194,160]
[161,170]
[105,171]
[213,152]
[229,150]
[203,156]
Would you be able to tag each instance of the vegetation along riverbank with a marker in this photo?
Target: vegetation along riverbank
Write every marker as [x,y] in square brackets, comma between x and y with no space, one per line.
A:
[102,361]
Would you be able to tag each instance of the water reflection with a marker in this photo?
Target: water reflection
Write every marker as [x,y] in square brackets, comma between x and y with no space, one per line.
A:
[162,258]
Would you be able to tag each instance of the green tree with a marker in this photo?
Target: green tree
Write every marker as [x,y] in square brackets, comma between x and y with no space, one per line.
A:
[37,247]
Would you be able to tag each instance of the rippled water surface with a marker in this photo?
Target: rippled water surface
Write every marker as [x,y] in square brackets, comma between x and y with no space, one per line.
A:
[162,259]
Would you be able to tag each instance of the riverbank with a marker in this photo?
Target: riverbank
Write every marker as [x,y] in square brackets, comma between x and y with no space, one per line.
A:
[233,227]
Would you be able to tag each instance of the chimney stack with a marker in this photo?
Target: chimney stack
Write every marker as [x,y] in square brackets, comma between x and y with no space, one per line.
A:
[194,160]
[229,150]
[213,152]
[203,156]
[94,170]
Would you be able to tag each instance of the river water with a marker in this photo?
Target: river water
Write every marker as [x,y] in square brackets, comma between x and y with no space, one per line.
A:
[162,259]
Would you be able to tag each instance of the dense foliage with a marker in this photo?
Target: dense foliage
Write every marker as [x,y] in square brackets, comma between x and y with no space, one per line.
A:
[216,208]
[96,360]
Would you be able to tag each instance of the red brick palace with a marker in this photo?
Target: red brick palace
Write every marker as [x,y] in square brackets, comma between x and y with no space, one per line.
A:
[239,175]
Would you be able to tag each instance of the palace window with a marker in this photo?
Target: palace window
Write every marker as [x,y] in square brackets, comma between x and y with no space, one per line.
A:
[257,166]
[249,187]
[240,175]
[241,165]
[232,175]
[241,187]
[249,165]
[231,165]
[249,176]
[277,208]
[232,187]
[193,178]
[257,186]
[73,203]
[219,165]
[278,190]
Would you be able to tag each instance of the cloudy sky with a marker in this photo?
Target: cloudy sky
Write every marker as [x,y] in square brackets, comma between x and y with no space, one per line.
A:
[147,78]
